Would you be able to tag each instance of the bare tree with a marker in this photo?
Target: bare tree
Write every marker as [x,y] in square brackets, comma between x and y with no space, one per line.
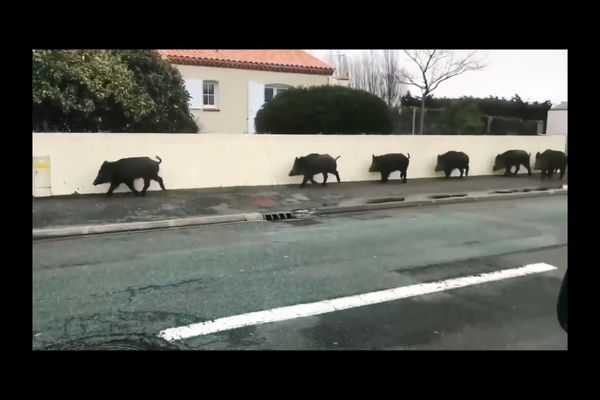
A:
[378,72]
[391,86]
[372,67]
[364,72]
[338,61]
[437,66]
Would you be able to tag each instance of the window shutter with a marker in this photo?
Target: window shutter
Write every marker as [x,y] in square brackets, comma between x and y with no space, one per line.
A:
[195,89]
[256,98]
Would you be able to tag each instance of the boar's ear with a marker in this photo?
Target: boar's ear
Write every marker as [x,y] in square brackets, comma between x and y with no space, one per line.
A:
[537,154]
[373,156]
[296,158]
[104,163]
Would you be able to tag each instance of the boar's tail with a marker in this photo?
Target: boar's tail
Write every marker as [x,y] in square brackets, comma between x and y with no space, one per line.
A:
[408,154]
[159,160]
[337,158]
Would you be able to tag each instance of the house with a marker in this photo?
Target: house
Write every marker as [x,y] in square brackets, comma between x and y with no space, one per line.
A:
[228,87]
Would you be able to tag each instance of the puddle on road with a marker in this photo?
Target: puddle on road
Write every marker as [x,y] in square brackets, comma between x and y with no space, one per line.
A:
[301,222]
[128,343]
[296,198]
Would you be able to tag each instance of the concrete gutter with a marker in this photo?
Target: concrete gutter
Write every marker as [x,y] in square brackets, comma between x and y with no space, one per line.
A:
[82,230]
[451,200]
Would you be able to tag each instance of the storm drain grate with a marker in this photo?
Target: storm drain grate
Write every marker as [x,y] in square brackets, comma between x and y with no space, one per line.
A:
[279,216]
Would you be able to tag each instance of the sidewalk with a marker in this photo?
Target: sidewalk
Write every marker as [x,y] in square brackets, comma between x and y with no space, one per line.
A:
[63,211]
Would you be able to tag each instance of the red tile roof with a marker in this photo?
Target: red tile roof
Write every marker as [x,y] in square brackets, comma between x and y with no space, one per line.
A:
[297,61]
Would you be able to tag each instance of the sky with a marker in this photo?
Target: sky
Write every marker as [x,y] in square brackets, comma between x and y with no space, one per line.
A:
[535,75]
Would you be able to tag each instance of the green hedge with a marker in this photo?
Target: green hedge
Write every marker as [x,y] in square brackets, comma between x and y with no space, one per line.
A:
[326,110]
[464,118]
[512,126]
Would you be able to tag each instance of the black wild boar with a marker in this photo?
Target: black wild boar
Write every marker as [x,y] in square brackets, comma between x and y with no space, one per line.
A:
[549,162]
[313,164]
[388,163]
[452,160]
[512,158]
[127,170]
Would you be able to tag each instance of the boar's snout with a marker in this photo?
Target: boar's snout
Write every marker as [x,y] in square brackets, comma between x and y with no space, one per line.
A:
[373,167]
[295,168]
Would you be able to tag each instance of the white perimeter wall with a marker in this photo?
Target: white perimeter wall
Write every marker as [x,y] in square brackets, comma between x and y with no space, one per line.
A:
[219,160]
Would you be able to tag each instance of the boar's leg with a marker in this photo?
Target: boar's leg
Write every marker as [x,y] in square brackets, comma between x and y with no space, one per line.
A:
[146,185]
[447,172]
[562,173]
[304,180]
[384,176]
[160,182]
[467,170]
[337,176]
[528,167]
[113,186]
[312,179]
[507,170]
[131,187]
[324,178]
[517,170]
[403,175]
[462,171]
[546,173]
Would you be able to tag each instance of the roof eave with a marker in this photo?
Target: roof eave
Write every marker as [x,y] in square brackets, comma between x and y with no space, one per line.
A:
[251,66]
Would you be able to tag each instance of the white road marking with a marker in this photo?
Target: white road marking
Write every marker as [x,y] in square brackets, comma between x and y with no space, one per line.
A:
[344,303]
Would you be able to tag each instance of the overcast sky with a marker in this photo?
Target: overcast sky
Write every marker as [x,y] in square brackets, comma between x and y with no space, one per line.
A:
[535,75]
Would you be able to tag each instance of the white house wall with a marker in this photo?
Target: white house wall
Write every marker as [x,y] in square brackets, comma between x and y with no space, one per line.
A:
[233,93]
[557,122]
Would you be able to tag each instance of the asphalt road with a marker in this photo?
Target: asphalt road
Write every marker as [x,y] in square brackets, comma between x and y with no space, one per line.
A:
[124,289]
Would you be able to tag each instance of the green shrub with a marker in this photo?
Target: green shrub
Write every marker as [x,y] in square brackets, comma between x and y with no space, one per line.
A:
[324,109]
[464,118]
[107,90]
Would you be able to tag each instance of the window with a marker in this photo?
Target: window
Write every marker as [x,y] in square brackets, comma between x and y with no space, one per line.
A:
[273,90]
[210,94]
[269,93]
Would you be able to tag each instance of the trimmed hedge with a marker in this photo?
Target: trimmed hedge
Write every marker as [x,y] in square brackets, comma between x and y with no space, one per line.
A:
[512,126]
[463,118]
[324,109]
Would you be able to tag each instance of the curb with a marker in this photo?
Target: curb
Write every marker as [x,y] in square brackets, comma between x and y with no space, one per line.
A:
[81,230]
[426,202]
